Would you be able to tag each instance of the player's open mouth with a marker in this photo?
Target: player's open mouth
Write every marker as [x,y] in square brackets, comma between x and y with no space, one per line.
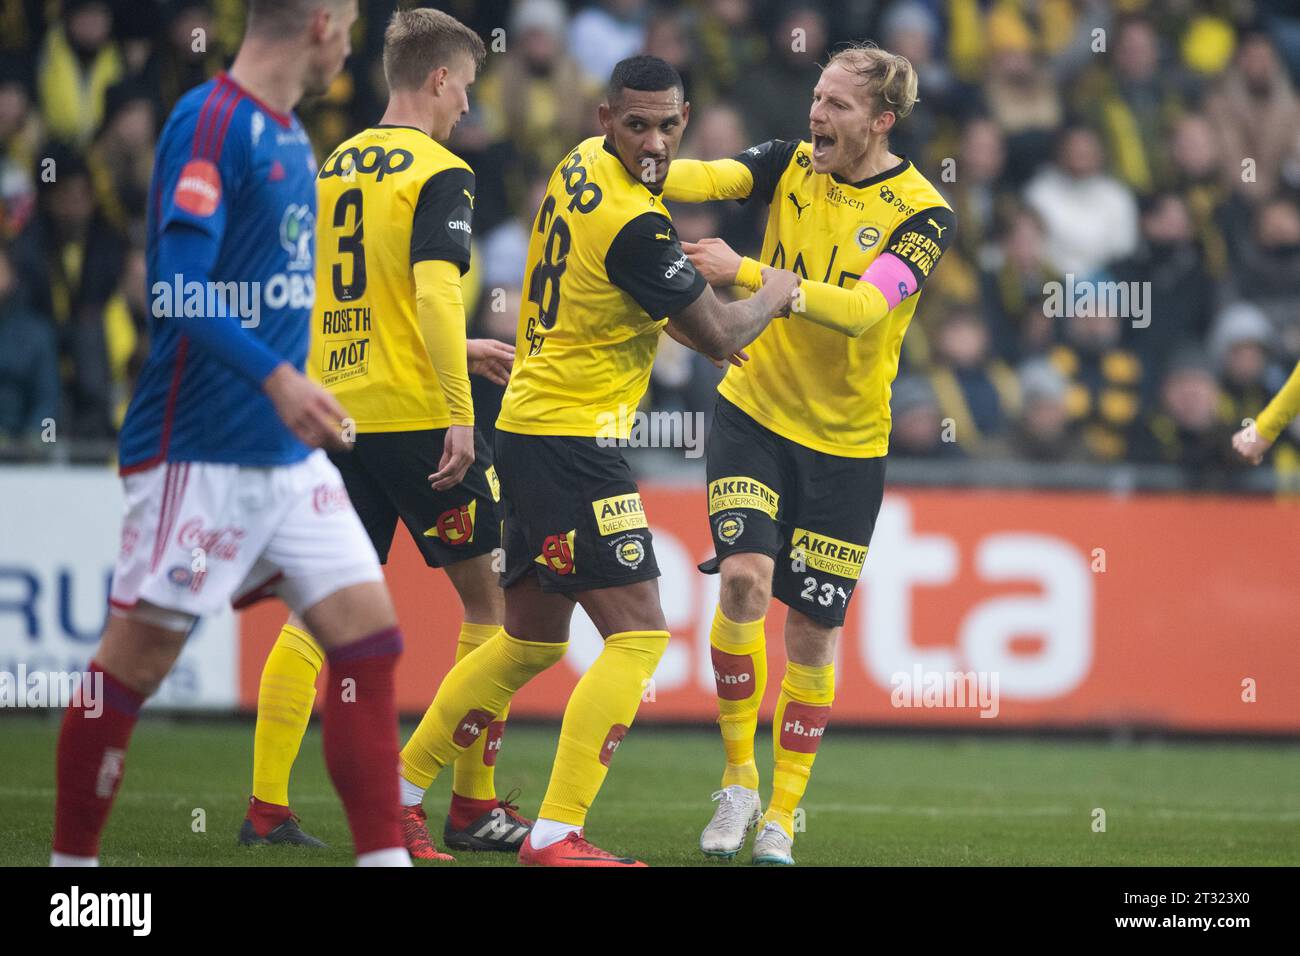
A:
[822,144]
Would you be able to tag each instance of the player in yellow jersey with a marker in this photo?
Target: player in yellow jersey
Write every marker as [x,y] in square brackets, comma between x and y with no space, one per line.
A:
[389,343]
[1253,441]
[796,455]
[605,274]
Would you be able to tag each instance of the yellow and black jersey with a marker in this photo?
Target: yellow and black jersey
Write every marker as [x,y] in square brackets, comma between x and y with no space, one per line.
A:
[605,271]
[388,198]
[811,384]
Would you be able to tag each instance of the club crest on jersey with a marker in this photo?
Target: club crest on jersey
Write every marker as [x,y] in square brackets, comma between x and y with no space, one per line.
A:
[455,526]
[557,552]
[729,527]
[802,159]
[629,550]
[867,237]
[198,191]
[296,231]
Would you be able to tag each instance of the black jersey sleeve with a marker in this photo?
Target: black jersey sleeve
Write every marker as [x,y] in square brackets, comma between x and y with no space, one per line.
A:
[767,161]
[646,261]
[921,239]
[444,218]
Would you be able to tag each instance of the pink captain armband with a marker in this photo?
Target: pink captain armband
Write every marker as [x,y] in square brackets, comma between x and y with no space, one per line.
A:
[892,276]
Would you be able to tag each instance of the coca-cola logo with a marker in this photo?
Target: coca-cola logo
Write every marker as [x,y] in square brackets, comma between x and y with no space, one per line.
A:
[220,543]
[327,499]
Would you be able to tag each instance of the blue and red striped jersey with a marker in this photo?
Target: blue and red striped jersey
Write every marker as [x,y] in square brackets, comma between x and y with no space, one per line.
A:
[231,257]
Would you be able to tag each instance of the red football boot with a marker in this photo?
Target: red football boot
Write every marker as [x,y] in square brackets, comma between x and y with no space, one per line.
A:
[415,834]
[573,850]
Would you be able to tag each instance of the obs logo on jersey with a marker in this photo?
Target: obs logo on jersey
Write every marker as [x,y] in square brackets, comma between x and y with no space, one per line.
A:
[729,527]
[630,550]
[296,231]
[372,161]
[455,526]
[557,552]
[867,237]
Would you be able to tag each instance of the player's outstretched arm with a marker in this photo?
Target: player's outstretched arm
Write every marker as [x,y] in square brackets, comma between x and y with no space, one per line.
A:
[1254,441]
[721,329]
[753,173]
[694,180]
[909,257]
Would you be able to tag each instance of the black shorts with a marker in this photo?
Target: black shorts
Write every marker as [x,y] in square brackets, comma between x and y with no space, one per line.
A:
[387,477]
[573,514]
[810,511]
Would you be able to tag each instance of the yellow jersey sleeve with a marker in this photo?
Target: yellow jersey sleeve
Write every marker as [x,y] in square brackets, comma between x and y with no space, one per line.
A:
[1284,407]
[694,180]
[441,313]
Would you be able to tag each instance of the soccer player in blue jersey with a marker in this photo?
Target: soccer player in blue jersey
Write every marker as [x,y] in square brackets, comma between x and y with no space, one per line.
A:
[229,497]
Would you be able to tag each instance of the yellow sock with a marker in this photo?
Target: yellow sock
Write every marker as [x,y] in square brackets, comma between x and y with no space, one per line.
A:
[472,694]
[740,669]
[600,711]
[284,700]
[802,710]
[474,772]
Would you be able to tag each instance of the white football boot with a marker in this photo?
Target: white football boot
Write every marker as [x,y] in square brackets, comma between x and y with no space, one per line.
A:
[739,810]
[772,846]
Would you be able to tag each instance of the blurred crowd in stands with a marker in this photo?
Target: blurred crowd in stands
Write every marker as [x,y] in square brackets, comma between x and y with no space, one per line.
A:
[1154,142]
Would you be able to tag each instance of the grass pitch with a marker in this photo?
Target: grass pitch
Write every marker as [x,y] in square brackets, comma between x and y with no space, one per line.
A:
[875,799]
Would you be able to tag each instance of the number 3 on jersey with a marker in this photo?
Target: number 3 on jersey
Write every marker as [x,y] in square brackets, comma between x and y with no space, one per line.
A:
[352,245]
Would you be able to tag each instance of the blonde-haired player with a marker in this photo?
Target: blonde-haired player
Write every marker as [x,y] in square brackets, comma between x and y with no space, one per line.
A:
[388,340]
[796,456]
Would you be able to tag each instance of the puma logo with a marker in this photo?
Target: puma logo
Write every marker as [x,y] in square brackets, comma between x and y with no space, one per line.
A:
[798,208]
[937,228]
[469,196]
[665,236]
